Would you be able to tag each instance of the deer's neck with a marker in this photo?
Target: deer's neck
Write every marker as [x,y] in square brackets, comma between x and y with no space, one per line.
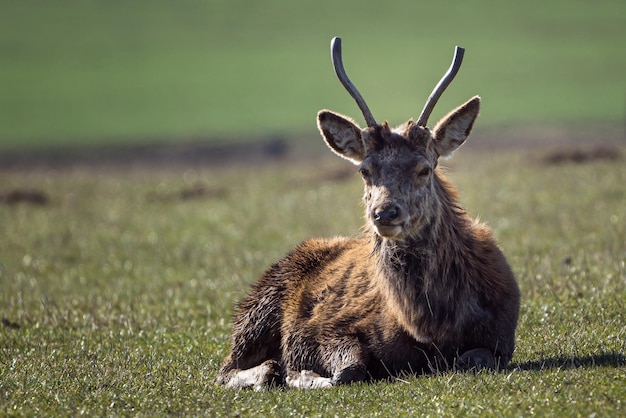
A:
[419,277]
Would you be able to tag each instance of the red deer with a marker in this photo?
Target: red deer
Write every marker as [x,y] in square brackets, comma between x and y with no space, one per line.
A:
[425,289]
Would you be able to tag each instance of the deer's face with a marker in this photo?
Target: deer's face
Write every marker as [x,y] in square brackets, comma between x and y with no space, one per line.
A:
[397,175]
[398,166]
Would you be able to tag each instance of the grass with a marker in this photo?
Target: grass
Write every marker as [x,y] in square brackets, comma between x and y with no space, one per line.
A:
[85,72]
[116,296]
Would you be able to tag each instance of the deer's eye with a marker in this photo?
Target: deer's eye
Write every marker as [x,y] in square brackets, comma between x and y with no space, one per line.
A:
[424,172]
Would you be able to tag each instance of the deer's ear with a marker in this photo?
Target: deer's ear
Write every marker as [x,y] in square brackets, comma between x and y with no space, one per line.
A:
[342,135]
[452,131]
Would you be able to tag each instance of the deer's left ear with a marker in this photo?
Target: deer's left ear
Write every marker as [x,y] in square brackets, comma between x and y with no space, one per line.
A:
[452,131]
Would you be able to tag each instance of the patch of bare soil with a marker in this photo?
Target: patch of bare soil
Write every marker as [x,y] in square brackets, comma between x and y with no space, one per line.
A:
[557,145]
[10,324]
[29,196]
[583,155]
[157,154]
[547,138]
[196,191]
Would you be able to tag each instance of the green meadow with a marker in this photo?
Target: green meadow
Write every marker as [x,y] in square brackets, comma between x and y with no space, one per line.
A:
[117,294]
[118,281]
[95,72]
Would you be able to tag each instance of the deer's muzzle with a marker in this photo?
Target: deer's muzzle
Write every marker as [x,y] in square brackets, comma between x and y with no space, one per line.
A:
[389,220]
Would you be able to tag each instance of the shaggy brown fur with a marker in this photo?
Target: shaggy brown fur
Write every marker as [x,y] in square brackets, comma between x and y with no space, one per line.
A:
[426,289]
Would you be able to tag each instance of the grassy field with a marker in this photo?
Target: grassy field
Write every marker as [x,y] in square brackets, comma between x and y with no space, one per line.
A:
[117,293]
[85,72]
[117,282]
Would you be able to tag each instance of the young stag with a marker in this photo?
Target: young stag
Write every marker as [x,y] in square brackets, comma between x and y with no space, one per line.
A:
[426,288]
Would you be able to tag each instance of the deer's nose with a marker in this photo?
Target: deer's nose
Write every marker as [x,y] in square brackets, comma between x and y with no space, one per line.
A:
[386,214]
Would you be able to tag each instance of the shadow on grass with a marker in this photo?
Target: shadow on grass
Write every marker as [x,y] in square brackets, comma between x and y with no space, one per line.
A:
[598,360]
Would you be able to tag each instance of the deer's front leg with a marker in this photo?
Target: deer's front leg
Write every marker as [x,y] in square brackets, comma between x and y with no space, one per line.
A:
[343,358]
[267,373]
[307,379]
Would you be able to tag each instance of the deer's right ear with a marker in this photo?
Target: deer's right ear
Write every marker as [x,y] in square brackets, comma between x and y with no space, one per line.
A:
[342,135]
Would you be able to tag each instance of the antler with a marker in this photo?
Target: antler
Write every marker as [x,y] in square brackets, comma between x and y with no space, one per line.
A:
[335,50]
[441,86]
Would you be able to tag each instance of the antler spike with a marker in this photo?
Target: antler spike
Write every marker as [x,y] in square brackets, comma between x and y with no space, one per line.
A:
[335,49]
[441,86]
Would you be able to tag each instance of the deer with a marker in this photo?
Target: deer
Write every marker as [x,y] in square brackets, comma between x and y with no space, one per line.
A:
[424,289]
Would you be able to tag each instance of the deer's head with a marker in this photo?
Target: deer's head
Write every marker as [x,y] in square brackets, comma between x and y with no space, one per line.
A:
[398,165]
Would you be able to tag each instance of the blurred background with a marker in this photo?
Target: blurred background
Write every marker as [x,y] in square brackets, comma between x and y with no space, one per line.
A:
[112,72]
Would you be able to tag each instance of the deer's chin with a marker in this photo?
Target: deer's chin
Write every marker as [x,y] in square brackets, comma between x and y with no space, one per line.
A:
[389,231]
